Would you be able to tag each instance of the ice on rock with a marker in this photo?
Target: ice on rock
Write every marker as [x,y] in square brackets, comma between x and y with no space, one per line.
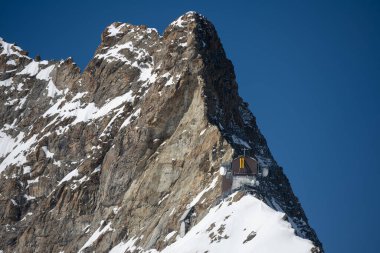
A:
[11,102]
[28,197]
[114,53]
[86,112]
[44,74]
[26,170]
[7,143]
[113,30]
[129,119]
[9,49]
[199,196]
[68,177]
[169,236]
[180,22]
[7,82]
[47,152]
[31,69]
[11,62]
[33,180]
[96,235]
[239,141]
[18,153]
[52,90]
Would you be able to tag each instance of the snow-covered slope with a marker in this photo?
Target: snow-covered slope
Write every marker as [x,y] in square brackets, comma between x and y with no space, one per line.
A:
[240,223]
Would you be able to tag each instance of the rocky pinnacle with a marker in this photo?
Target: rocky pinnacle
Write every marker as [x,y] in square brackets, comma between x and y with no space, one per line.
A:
[120,151]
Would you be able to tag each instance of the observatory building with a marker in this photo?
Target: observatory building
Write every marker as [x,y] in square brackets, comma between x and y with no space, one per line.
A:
[242,171]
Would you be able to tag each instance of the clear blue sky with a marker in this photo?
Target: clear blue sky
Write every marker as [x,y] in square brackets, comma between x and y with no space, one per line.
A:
[310,71]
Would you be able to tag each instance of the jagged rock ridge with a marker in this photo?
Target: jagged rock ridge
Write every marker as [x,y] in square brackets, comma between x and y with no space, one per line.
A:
[111,158]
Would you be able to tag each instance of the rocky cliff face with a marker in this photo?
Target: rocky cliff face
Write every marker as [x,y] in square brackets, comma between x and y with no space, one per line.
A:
[111,158]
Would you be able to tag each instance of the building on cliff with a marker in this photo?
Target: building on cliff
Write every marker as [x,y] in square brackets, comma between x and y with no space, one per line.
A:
[242,171]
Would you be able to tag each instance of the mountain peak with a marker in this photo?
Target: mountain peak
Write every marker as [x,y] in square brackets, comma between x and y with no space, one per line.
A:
[190,22]
[126,154]
[188,17]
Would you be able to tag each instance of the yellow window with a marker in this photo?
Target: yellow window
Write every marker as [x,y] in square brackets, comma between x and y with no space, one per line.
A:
[241,163]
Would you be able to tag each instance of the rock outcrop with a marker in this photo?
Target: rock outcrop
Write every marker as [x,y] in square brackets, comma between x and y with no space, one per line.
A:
[112,157]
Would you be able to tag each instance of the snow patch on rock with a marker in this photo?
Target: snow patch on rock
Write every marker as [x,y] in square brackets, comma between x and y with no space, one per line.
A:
[199,196]
[10,49]
[44,74]
[68,177]
[31,69]
[114,30]
[101,230]
[86,112]
[18,154]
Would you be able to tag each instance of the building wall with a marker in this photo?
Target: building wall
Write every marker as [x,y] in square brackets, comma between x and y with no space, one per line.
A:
[238,181]
[244,165]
